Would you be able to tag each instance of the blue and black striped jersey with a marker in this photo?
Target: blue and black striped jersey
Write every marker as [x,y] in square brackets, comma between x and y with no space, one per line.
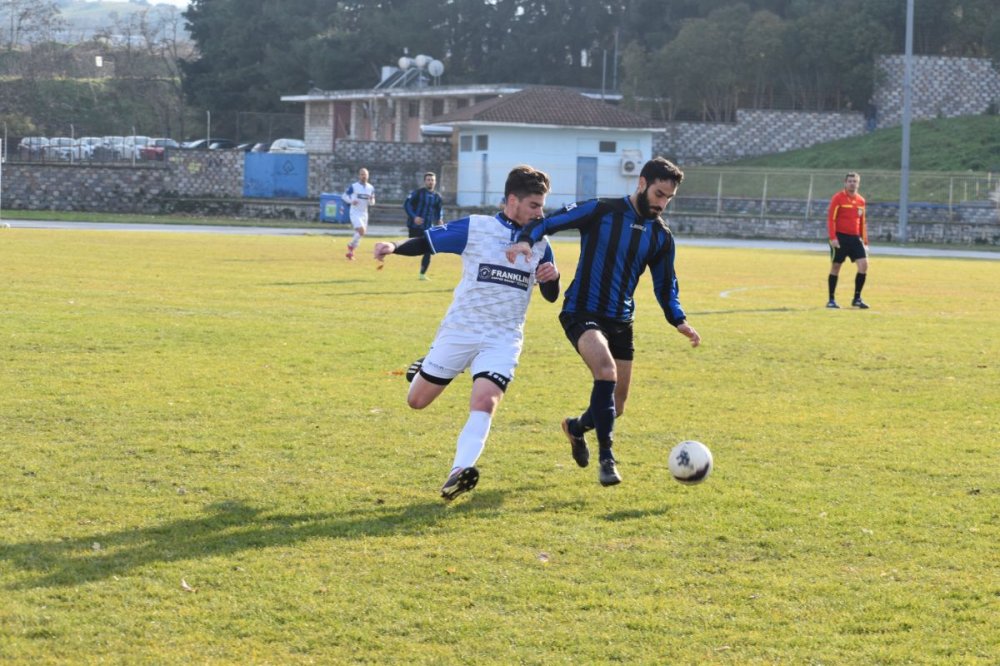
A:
[616,246]
[422,203]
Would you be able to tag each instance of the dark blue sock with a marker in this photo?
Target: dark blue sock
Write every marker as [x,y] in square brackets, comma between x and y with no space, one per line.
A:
[425,262]
[602,410]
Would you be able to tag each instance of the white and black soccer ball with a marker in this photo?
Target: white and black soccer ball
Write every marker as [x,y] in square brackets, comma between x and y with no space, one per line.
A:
[690,462]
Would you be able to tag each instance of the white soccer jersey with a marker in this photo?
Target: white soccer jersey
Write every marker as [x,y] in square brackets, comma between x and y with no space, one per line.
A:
[492,297]
[358,196]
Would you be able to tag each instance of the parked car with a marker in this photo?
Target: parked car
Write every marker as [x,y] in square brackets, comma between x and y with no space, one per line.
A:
[155,149]
[205,144]
[133,144]
[62,148]
[32,147]
[111,148]
[87,145]
[288,146]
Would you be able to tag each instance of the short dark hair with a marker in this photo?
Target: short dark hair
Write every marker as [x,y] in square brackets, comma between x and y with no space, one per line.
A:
[660,168]
[524,180]
[852,173]
[430,173]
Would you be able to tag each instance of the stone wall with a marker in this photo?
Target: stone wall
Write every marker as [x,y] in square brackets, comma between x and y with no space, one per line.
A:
[121,188]
[395,169]
[972,212]
[148,187]
[884,230]
[755,132]
[943,87]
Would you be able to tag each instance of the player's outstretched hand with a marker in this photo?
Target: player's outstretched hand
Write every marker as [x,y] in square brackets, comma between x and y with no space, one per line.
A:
[518,249]
[383,250]
[690,334]
[546,272]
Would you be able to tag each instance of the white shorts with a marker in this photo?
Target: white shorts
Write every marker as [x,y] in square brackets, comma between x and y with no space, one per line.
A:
[359,221]
[454,351]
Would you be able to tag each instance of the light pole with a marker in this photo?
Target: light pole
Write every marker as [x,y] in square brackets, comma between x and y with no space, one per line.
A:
[904,176]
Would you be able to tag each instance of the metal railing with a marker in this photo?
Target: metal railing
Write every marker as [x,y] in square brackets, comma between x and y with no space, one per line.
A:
[800,192]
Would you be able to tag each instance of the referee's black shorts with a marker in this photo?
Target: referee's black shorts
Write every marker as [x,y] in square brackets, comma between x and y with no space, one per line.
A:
[850,247]
[618,333]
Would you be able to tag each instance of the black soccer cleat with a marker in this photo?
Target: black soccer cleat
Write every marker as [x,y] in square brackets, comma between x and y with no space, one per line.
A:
[858,303]
[414,368]
[581,454]
[462,480]
[832,304]
[608,474]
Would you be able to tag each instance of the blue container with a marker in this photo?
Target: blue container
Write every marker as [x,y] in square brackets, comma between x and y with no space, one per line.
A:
[333,208]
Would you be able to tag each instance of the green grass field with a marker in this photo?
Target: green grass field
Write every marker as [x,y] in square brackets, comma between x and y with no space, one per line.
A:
[208,459]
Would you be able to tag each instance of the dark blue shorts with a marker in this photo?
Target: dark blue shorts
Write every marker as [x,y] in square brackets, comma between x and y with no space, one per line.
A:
[618,333]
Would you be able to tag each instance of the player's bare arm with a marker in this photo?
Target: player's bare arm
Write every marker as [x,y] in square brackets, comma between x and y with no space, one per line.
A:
[691,334]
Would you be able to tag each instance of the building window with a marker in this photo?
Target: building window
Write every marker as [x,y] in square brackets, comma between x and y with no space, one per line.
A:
[437,107]
[465,143]
[414,109]
[461,103]
[608,146]
[482,142]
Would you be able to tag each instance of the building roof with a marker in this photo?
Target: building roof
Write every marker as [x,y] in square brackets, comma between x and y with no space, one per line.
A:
[549,106]
[437,92]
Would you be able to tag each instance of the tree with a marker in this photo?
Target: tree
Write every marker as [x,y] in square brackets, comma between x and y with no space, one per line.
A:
[29,22]
[147,47]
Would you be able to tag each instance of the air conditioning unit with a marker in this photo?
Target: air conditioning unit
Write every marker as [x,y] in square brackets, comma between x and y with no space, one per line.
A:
[630,166]
[631,163]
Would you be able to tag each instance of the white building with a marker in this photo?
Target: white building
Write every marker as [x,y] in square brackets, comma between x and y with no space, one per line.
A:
[588,147]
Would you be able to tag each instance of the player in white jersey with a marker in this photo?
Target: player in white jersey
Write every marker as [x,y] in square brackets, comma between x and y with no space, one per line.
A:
[483,329]
[360,196]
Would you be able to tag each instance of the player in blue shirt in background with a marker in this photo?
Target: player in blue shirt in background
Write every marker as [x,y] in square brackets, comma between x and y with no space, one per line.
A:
[423,210]
[619,239]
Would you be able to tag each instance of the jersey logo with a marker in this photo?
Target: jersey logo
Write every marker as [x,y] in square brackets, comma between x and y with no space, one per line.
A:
[504,275]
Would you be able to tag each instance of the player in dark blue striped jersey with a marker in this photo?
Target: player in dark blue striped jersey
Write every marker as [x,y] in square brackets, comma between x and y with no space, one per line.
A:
[619,239]
[423,210]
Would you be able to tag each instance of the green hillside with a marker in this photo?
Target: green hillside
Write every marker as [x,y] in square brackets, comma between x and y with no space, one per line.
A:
[946,144]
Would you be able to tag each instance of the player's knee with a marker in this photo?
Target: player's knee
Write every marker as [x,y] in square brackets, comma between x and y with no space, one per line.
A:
[486,404]
[416,402]
[607,372]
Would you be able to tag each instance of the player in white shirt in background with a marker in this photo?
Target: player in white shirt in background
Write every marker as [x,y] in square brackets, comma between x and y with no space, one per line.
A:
[360,196]
[483,330]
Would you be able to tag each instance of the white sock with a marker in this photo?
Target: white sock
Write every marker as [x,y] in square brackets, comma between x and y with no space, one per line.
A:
[355,241]
[472,439]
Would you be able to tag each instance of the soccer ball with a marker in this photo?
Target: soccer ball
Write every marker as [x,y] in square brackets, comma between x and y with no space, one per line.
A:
[690,462]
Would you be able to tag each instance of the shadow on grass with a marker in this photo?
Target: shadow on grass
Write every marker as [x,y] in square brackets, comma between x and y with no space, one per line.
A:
[314,283]
[750,311]
[226,528]
[635,514]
